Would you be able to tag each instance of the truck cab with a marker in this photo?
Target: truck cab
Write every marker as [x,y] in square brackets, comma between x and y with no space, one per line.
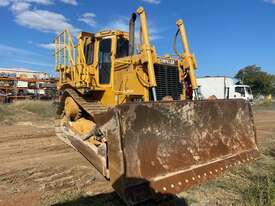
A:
[242,92]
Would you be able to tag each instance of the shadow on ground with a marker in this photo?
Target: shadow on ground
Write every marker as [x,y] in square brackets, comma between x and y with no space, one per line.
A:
[112,199]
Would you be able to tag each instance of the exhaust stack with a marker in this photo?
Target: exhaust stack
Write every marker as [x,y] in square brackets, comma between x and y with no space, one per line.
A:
[132,34]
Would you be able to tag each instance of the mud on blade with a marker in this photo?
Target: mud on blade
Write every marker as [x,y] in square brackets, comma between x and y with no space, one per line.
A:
[171,146]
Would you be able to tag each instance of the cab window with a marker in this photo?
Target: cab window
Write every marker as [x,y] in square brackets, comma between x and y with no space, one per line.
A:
[89,53]
[240,90]
[104,61]
[122,48]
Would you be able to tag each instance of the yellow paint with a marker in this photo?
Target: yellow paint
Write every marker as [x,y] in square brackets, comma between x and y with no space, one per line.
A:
[82,126]
[71,109]
[188,59]
[131,77]
[146,48]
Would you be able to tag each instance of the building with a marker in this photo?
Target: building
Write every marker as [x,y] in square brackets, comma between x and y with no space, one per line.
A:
[20,83]
[23,73]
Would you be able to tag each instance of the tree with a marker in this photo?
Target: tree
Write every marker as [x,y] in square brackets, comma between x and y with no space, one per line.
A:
[259,81]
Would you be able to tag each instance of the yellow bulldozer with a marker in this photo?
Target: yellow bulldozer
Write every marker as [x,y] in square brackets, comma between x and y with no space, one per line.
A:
[137,118]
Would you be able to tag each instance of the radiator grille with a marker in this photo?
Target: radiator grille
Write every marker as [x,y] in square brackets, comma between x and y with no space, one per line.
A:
[167,78]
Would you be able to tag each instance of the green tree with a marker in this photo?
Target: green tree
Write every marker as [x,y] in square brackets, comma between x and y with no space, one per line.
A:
[259,81]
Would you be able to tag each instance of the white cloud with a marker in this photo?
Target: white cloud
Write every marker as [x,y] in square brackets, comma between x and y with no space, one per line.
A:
[154,33]
[88,18]
[152,1]
[4,2]
[44,2]
[50,46]
[22,55]
[10,2]
[27,15]
[32,62]
[118,24]
[43,20]
[270,1]
[123,25]
[72,2]
[18,7]
[6,50]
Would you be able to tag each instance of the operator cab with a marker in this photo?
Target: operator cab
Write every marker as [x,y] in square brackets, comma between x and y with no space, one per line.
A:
[111,44]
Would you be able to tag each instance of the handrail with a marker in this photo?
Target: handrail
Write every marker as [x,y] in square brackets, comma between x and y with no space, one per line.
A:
[65,54]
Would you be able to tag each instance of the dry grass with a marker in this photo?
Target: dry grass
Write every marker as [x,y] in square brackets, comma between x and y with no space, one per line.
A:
[26,110]
[251,185]
[261,191]
[4,113]
[44,109]
[265,105]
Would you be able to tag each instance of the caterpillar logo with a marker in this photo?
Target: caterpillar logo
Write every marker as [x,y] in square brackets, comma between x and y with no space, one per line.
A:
[167,61]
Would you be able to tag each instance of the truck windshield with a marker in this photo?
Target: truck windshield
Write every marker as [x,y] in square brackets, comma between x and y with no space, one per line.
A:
[240,90]
[248,90]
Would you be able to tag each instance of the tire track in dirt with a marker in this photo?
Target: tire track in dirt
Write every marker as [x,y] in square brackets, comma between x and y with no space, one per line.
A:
[34,161]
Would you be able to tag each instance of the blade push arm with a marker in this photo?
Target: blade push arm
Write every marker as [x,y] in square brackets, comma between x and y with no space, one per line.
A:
[187,57]
[147,50]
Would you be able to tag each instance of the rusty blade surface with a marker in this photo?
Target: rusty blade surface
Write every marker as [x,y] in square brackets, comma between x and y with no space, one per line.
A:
[174,145]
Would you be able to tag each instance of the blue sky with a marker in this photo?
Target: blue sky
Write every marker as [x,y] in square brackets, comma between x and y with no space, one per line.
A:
[225,35]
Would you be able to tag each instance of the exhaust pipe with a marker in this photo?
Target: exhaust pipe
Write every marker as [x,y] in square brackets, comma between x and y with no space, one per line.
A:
[132,34]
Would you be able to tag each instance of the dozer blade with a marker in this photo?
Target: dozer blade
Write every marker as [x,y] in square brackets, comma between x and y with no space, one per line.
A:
[167,147]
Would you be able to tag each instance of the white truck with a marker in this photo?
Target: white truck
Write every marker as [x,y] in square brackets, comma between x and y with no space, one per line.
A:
[223,88]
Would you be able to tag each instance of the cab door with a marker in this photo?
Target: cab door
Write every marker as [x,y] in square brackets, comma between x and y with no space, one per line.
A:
[105,61]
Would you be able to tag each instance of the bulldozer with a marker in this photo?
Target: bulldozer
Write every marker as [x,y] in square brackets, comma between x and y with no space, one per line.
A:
[136,116]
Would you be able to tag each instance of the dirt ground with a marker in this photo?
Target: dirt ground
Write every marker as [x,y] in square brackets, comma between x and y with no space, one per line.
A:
[36,168]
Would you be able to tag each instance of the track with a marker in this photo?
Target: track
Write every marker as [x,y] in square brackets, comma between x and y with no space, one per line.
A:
[92,108]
